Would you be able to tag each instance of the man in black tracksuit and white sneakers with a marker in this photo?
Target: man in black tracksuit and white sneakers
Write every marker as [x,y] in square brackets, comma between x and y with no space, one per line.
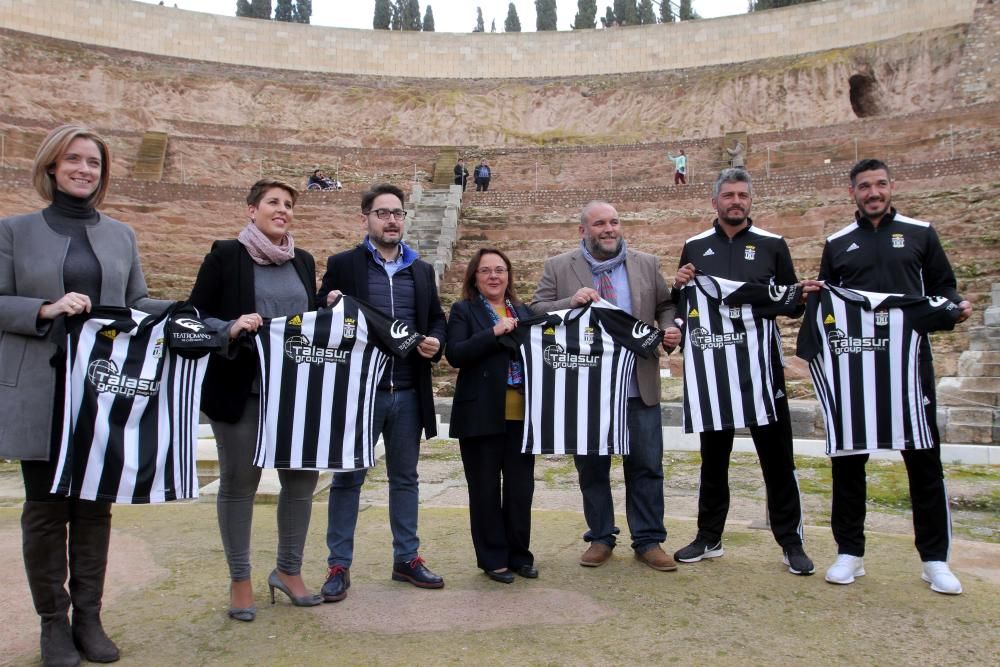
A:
[737,250]
[883,251]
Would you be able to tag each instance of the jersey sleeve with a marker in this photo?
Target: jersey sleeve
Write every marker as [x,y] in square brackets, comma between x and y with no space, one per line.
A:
[390,334]
[192,336]
[935,313]
[809,343]
[631,333]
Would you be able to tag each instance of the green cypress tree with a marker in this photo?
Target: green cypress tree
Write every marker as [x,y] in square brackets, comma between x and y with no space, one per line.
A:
[626,13]
[666,12]
[283,11]
[686,12]
[429,20]
[609,19]
[382,18]
[480,26]
[303,11]
[411,15]
[397,15]
[586,15]
[512,23]
[260,9]
[545,15]
[243,8]
[646,14]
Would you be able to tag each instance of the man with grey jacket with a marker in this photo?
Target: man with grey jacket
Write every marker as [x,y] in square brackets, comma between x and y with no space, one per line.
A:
[603,267]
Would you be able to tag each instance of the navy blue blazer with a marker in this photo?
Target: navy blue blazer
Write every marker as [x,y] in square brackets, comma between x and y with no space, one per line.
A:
[348,272]
[479,405]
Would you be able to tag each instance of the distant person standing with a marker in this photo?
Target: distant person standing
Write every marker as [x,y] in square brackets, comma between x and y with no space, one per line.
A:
[461,174]
[737,155]
[483,176]
[680,168]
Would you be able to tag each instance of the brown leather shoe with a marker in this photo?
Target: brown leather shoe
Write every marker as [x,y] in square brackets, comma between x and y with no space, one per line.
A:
[597,554]
[657,559]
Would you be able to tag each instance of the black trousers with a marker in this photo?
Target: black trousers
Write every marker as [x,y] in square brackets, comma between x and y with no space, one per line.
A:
[501,484]
[774,450]
[928,496]
[482,184]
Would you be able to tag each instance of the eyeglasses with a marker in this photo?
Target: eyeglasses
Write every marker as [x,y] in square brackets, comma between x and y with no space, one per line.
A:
[500,271]
[385,213]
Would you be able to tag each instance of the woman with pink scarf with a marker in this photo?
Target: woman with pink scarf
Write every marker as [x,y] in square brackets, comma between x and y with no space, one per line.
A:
[260,274]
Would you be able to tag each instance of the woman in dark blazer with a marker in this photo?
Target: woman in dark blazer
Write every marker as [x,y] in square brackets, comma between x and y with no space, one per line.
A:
[53,263]
[487,417]
[259,274]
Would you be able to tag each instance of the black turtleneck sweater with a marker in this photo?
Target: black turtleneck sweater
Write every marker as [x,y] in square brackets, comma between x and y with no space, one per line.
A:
[70,216]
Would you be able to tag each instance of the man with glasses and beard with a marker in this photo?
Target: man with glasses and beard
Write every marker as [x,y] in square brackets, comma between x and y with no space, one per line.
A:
[885,251]
[604,267]
[734,249]
[386,272]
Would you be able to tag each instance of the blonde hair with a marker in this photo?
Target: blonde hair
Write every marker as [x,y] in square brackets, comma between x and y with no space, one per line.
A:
[55,144]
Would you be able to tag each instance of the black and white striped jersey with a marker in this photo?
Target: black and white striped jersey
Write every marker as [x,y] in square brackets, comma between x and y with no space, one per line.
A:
[577,367]
[319,372]
[730,345]
[131,405]
[863,350]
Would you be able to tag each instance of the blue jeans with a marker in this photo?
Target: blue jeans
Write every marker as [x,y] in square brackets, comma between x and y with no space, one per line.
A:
[397,419]
[643,484]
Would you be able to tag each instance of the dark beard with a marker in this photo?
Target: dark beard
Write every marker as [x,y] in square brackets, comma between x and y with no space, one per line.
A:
[597,253]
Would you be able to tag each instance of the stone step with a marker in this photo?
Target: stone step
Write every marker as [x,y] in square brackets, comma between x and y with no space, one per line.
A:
[984,339]
[950,396]
[991,316]
[969,434]
[969,415]
[980,384]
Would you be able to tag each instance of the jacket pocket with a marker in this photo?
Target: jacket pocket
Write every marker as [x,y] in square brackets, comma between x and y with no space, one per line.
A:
[11,356]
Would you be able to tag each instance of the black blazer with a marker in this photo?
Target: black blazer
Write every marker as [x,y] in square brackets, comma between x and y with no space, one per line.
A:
[480,393]
[348,272]
[224,289]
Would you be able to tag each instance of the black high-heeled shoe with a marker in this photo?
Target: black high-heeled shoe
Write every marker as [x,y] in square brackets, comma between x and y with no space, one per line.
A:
[307,600]
[504,577]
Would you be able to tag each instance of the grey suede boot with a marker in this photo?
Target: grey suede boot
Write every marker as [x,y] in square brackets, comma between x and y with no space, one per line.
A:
[89,535]
[43,540]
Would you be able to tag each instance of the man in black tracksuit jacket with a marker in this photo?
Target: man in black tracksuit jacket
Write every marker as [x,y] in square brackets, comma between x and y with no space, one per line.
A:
[883,251]
[736,250]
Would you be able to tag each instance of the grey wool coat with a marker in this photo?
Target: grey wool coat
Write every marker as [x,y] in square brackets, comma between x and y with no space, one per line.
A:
[31,275]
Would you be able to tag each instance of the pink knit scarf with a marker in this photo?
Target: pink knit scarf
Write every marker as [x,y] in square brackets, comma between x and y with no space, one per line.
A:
[262,250]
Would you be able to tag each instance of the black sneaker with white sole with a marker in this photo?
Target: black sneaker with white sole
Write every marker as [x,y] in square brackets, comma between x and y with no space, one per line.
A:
[699,550]
[797,561]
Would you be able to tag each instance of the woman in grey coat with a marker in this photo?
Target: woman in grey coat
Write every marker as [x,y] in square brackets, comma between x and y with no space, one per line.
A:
[57,262]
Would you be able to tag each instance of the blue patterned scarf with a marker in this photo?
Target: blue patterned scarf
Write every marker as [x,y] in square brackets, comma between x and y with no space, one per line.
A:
[515,371]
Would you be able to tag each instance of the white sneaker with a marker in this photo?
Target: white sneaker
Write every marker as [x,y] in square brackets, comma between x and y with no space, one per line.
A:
[845,569]
[939,576]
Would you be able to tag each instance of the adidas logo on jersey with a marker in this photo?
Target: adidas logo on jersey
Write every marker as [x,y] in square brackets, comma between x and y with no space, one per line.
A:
[549,331]
[852,247]
[693,313]
[708,253]
[295,321]
[109,333]
[779,394]
[829,319]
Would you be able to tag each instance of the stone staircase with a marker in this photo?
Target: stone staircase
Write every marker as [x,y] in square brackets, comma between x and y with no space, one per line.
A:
[432,224]
[152,157]
[969,403]
[444,167]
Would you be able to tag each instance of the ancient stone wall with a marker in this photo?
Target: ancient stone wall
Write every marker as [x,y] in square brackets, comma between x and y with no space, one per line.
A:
[979,76]
[167,31]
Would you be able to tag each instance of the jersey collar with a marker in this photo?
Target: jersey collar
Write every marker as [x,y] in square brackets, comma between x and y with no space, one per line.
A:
[721,232]
[884,222]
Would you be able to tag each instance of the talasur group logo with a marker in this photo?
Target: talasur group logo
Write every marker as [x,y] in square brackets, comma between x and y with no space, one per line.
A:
[555,356]
[104,375]
[703,339]
[300,350]
[841,343]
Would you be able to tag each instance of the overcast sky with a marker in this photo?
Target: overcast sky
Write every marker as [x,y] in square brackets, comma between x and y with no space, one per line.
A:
[449,15]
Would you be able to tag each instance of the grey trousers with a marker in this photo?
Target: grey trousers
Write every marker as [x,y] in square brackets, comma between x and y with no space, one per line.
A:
[238,480]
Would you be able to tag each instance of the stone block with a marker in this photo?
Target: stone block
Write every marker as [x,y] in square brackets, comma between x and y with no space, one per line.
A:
[991,316]
[967,434]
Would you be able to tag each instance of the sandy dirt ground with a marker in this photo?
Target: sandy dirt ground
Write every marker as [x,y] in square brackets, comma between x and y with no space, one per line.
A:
[167,586]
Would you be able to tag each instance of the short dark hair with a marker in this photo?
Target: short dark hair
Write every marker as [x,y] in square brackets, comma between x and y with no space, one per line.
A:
[869,164]
[381,189]
[469,291]
[260,188]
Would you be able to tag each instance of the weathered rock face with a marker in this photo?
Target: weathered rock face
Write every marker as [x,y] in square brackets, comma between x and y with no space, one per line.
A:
[132,91]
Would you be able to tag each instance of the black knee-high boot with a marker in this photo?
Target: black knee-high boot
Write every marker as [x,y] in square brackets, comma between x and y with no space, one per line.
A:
[43,539]
[89,535]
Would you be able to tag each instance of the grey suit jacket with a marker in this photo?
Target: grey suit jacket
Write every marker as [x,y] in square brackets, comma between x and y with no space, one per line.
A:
[564,274]
[31,274]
